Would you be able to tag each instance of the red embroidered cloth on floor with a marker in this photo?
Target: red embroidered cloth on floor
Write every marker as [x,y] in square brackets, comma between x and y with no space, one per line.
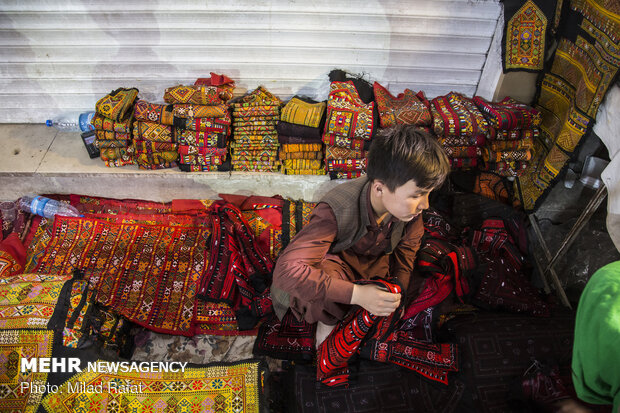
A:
[147,273]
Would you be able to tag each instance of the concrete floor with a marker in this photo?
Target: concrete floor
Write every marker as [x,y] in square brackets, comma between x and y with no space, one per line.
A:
[593,248]
[35,159]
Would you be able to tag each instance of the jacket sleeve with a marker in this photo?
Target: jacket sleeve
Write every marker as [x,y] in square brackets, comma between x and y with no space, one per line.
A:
[403,258]
[298,268]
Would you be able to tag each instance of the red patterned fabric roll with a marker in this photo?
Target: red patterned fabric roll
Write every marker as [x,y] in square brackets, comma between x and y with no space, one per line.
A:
[508,114]
[345,165]
[463,151]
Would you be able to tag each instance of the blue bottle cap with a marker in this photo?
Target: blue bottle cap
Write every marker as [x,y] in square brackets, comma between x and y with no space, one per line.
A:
[49,122]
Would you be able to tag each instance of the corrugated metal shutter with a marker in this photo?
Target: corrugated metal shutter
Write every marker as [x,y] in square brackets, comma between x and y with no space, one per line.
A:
[59,56]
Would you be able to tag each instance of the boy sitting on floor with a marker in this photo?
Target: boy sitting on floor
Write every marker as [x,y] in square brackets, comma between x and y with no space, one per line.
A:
[367,227]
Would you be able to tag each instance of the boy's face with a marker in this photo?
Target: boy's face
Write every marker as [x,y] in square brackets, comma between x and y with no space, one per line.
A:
[406,202]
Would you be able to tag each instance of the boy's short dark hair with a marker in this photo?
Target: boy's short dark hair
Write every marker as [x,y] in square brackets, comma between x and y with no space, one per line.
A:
[405,153]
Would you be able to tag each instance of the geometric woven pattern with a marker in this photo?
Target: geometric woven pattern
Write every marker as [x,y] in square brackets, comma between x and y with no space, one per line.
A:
[222,388]
[455,114]
[15,345]
[151,131]
[26,302]
[347,115]
[407,108]
[118,104]
[147,273]
[199,94]
[496,348]
[380,388]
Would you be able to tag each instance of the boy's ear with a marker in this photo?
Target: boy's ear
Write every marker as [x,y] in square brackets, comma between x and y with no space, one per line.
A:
[378,186]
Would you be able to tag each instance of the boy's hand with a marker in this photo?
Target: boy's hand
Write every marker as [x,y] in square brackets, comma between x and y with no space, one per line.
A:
[374,299]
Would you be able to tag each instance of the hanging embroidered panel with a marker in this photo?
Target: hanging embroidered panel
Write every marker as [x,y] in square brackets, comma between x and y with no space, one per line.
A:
[583,67]
[147,273]
[16,345]
[235,387]
[525,39]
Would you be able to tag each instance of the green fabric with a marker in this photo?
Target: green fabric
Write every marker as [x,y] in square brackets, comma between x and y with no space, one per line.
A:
[596,350]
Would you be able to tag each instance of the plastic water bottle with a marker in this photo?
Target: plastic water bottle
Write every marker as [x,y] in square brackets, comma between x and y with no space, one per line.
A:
[46,207]
[73,122]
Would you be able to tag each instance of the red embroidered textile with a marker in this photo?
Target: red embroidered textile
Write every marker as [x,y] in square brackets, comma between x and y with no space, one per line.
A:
[215,80]
[407,108]
[508,114]
[347,115]
[147,273]
[454,114]
[432,360]
[346,338]
[12,255]
[238,271]
[288,339]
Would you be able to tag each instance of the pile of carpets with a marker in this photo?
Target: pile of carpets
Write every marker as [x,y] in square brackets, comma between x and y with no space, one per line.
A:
[255,146]
[513,128]
[113,123]
[461,127]
[302,155]
[349,127]
[202,123]
[154,141]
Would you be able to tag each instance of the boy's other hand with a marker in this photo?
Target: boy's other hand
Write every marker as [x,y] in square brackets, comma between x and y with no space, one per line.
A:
[374,299]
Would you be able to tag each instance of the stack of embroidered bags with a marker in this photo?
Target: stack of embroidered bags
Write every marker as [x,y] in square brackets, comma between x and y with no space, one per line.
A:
[514,126]
[255,146]
[202,122]
[154,141]
[113,123]
[461,128]
[349,126]
[408,108]
[301,153]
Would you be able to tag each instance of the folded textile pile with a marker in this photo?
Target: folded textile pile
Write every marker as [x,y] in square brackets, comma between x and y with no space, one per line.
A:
[302,155]
[407,108]
[202,124]
[113,123]
[154,142]
[461,127]
[514,126]
[255,146]
[349,125]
